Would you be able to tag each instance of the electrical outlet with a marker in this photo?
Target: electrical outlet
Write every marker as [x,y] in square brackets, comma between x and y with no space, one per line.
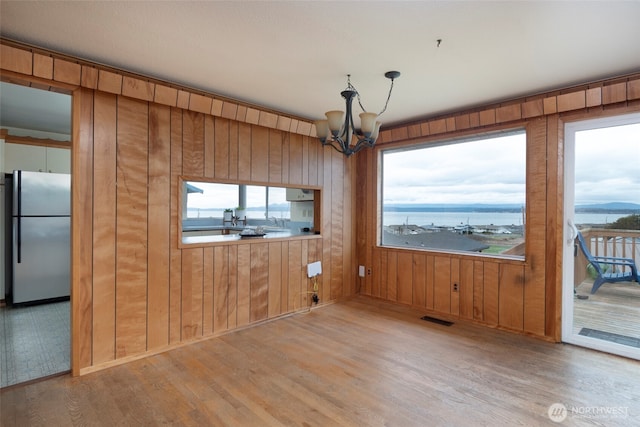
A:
[455,287]
[368,272]
[361,271]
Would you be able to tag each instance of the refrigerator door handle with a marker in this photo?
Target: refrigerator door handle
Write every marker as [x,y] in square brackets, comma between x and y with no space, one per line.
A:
[19,217]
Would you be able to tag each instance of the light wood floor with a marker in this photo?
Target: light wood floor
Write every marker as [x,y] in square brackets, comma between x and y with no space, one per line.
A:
[354,363]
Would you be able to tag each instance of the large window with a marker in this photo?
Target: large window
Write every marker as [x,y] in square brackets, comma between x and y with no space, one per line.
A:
[459,195]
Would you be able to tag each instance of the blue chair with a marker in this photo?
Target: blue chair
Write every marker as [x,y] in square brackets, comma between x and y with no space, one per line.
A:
[620,269]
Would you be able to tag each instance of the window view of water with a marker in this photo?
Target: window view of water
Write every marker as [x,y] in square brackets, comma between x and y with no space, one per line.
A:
[453,219]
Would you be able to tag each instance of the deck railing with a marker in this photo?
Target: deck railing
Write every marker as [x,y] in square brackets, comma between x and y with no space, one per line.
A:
[607,242]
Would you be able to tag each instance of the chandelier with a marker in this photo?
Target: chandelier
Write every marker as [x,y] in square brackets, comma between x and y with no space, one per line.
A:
[338,130]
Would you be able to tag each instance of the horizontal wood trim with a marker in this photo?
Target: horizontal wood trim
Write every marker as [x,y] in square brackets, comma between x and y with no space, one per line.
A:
[602,93]
[38,62]
[27,140]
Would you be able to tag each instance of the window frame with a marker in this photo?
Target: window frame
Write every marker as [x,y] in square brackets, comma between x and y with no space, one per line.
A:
[315,231]
[449,139]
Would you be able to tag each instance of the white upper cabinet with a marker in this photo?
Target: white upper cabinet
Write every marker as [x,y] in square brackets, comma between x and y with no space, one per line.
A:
[36,158]
[58,160]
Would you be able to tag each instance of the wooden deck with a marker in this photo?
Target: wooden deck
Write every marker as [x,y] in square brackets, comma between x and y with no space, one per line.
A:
[614,308]
[360,362]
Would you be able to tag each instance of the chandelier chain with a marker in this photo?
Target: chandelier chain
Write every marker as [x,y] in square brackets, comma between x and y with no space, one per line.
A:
[352,87]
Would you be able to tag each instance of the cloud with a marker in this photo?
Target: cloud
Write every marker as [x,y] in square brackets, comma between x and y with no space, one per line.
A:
[607,169]
[485,171]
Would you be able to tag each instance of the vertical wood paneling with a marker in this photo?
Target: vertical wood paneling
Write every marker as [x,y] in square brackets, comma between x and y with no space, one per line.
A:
[337,221]
[275,156]
[305,160]
[295,158]
[314,163]
[392,276]
[405,278]
[419,279]
[538,160]
[295,285]
[286,142]
[376,270]
[491,292]
[553,243]
[478,290]
[442,284]
[232,300]
[193,143]
[430,283]
[104,226]
[221,288]
[131,233]
[234,130]
[207,292]
[383,272]
[313,255]
[192,286]
[327,225]
[221,148]
[455,279]
[82,299]
[159,215]
[244,284]
[466,289]
[260,154]
[304,280]
[175,266]
[275,279]
[209,147]
[259,282]
[284,286]
[244,151]
[159,294]
[511,296]
[348,236]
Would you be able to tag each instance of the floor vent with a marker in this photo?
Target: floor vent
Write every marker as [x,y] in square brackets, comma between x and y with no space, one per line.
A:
[438,321]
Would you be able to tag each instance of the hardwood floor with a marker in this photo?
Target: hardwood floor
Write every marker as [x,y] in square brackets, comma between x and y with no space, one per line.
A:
[360,362]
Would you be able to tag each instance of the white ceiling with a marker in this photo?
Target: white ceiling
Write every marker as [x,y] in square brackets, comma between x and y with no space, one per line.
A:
[293,56]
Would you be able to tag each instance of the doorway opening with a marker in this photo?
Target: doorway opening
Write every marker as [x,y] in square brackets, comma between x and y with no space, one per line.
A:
[35,220]
[601,254]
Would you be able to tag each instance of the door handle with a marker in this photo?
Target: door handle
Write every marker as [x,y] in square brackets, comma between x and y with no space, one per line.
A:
[574,231]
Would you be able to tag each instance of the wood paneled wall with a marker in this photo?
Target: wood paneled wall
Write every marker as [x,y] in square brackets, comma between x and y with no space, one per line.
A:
[135,291]
[522,296]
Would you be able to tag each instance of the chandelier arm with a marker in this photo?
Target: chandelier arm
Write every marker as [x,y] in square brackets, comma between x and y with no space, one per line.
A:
[341,148]
[362,142]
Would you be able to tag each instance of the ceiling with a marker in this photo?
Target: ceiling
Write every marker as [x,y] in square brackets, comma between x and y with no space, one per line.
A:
[294,56]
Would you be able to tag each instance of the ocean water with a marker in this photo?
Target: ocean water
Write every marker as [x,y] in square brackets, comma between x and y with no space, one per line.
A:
[451,219]
[448,219]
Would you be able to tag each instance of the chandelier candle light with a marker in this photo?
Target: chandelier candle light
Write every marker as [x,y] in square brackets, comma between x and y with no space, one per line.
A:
[338,129]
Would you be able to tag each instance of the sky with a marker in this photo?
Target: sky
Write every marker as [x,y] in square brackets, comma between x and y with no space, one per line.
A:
[493,171]
[608,165]
[487,171]
[225,196]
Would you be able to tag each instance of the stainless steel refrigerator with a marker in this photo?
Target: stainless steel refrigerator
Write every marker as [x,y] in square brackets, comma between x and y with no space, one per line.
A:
[41,235]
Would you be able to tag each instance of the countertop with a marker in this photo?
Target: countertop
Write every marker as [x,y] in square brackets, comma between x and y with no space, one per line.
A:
[237,237]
